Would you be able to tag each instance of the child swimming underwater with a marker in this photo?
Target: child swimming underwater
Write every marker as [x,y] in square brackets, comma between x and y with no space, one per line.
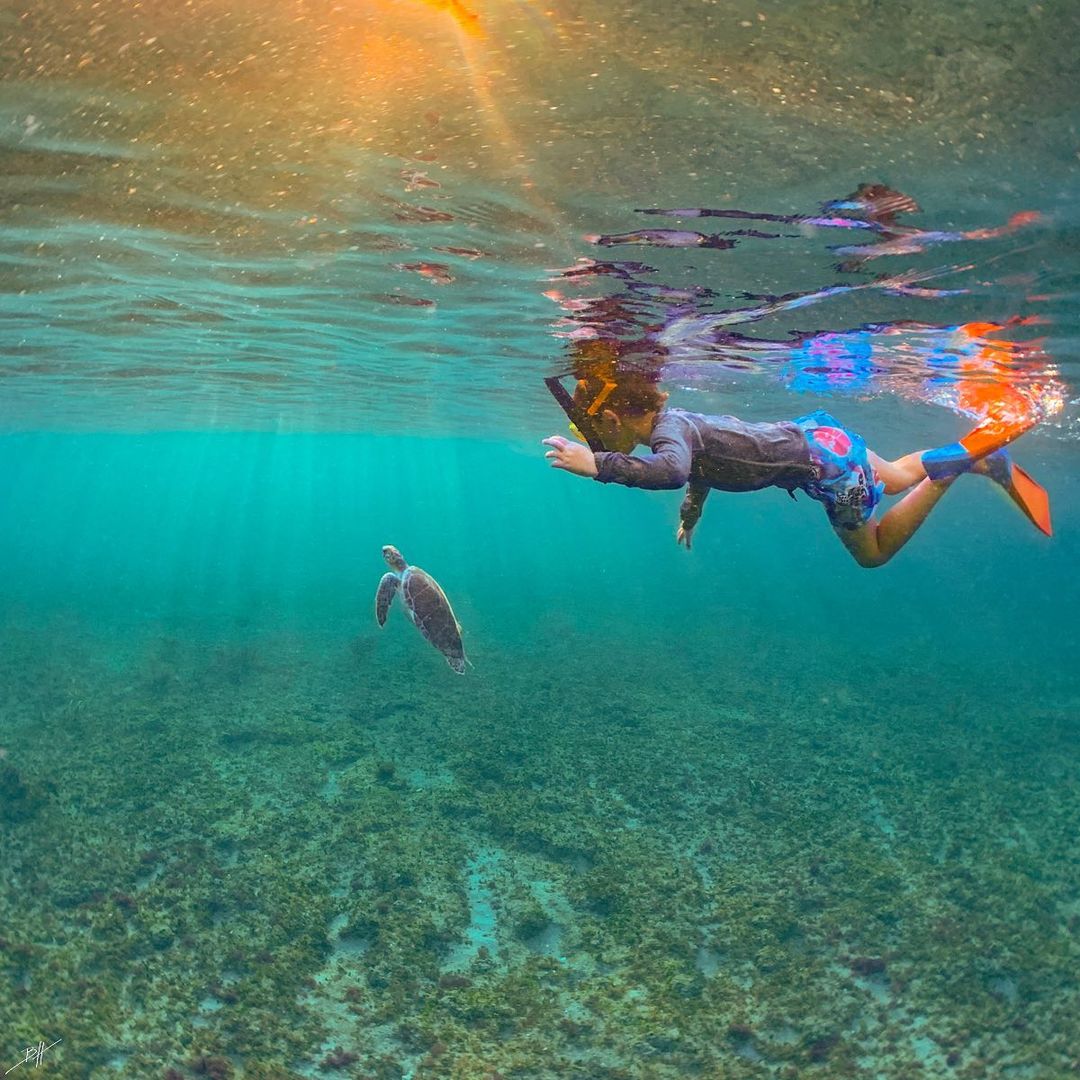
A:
[814,453]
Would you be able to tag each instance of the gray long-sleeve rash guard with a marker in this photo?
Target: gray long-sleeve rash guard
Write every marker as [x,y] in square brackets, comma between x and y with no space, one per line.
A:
[721,452]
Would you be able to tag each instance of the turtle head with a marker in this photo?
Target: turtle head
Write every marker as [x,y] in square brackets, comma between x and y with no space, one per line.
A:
[394,558]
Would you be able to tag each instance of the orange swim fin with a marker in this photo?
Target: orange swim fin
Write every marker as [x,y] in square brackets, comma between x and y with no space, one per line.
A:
[1032,498]
[1028,494]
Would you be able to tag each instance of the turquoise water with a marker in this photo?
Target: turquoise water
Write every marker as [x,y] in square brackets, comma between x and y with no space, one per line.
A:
[745,811]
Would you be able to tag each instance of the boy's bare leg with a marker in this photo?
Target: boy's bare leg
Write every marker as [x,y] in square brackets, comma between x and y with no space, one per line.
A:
[876,542]
[900,474]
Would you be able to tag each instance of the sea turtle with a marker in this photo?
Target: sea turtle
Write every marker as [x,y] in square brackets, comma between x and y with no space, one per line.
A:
[425,603]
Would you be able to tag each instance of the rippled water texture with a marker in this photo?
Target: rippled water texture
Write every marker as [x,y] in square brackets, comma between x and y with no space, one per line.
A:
[233,214]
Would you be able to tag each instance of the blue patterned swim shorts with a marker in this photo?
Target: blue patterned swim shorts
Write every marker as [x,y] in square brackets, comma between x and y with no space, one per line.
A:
[846,482]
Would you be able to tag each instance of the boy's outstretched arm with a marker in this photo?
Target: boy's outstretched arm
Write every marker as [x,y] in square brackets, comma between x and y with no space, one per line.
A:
[667,467]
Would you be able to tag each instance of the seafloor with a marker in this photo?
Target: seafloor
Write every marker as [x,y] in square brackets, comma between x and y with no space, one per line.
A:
[250,857]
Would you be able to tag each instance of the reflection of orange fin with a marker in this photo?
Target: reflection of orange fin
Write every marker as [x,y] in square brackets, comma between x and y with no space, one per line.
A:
[995,432]
[1031,497]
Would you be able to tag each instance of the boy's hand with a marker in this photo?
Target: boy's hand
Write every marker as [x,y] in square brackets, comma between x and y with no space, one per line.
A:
[571,456]
[685,536]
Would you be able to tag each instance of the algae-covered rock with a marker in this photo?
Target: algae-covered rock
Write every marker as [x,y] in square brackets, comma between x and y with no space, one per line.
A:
[18,801]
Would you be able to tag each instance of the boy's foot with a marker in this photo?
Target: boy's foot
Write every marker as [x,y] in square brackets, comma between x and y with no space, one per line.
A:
[980,443]
[998,466]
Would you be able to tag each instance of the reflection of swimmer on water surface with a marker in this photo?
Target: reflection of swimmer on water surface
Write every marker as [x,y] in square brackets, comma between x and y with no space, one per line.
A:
[954,365]
[961,366]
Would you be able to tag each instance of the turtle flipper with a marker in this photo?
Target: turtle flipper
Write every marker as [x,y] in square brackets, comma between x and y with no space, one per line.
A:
[387,588]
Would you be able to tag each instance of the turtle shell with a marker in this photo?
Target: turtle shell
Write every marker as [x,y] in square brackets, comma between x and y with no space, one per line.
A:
[433,616]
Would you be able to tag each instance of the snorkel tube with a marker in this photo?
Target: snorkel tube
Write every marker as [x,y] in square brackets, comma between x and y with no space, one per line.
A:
[581,422]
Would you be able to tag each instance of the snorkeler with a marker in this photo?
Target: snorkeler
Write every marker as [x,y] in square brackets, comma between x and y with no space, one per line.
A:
[814,453]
